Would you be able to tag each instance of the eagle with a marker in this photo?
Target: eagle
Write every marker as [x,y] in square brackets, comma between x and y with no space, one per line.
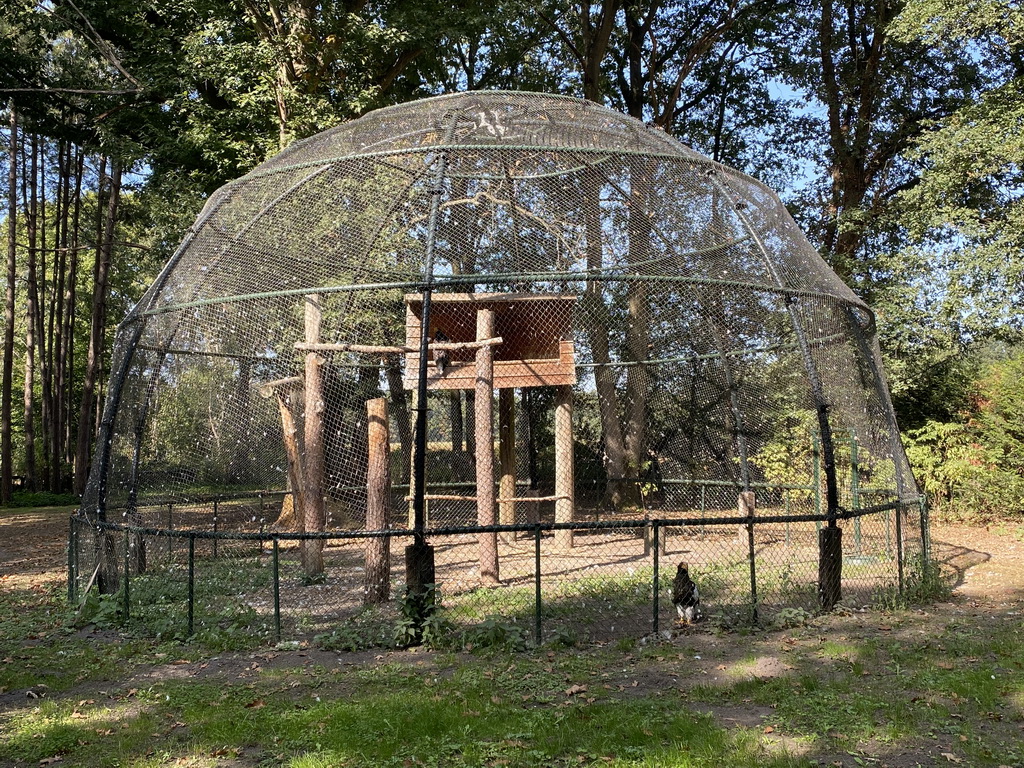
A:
[440,355]
[684,594]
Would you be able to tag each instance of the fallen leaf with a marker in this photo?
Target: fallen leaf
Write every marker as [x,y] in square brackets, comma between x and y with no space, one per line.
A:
[575,689]
[257,704]
[768,729]
[951,757]
[50,760]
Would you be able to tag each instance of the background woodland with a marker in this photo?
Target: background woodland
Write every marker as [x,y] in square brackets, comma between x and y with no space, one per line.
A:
[894,132]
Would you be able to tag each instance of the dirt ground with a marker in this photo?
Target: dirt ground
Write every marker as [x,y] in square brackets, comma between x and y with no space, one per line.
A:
[985,565]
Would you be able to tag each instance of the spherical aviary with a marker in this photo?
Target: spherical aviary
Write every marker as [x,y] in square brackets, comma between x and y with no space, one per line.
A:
[519,347]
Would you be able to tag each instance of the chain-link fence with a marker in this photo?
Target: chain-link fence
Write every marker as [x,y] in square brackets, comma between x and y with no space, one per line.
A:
[463,321]
[595,580]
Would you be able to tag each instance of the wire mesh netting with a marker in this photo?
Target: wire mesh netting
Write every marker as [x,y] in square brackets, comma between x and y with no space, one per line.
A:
[549,345]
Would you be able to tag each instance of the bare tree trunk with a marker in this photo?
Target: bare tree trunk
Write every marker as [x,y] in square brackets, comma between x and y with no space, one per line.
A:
[378,502]
[96,332]
[57,317]
[42,348]
[29,203]
[620,493]
[485,501]
[6,394]
[400,412]
[638,382]
[313,464]
[68,352]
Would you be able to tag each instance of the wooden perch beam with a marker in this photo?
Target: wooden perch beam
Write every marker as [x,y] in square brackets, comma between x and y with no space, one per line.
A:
[375,350]
[269,388]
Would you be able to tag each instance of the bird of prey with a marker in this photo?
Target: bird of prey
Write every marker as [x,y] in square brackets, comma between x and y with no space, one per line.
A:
[440,355]
[684,595]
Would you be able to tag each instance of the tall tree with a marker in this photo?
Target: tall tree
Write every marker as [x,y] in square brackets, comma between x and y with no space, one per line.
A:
[6,394]
[94,358]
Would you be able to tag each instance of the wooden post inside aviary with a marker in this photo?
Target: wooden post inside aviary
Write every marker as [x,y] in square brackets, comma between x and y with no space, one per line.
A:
[378,502]
[507,457]
[313,467]
[485,447]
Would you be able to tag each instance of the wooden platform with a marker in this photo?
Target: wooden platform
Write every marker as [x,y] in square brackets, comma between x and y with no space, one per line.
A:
[537,348]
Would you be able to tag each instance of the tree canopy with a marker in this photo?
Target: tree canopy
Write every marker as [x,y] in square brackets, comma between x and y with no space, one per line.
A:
[891,129]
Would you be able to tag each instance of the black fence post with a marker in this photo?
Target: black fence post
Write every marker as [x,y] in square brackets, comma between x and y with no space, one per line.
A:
[277,588]
[72,561]
[656,531]
[899,545]
[191,582]
[214,529]
[536,588]
[127,570]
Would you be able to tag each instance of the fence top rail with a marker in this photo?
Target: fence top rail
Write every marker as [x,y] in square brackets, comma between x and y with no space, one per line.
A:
[681,522]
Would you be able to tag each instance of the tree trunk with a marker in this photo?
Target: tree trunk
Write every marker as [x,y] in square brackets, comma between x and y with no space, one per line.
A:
[378,502]
[400,411]
[638,382]
[96,331]
[29,201]
[485,508]
[42,349]
[293,506]
[565,467]
[620,493]
[68,352]
[314,460]
[7,384]
[58,309]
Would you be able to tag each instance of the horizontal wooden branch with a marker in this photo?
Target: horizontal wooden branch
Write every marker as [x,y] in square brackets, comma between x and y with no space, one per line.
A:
[533,498]
[269,388]
[380,350]
[442,497]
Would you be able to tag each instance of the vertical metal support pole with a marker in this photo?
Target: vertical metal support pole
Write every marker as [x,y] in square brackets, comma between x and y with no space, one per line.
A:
[170,527]
[926,538]
[276,566]
[899,546]
[855,489]
[785,496]
[657,576]
[816,474]
[214,529]
[72,558]
[127,570]
[536,595]
[747,506]
[888,531]
[191,583]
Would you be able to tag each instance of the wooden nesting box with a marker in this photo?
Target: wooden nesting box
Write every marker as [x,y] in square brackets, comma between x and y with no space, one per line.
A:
[536,333]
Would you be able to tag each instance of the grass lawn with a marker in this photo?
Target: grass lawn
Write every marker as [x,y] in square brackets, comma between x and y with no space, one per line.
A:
[938,685]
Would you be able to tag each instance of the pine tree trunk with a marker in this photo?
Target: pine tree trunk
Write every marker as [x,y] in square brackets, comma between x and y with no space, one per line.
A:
[57,339]
[96,333]
[7,384]
[68,353]
[29,202]
[42,350]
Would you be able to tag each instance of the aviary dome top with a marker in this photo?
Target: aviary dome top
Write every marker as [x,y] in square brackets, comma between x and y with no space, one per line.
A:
[321,210]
